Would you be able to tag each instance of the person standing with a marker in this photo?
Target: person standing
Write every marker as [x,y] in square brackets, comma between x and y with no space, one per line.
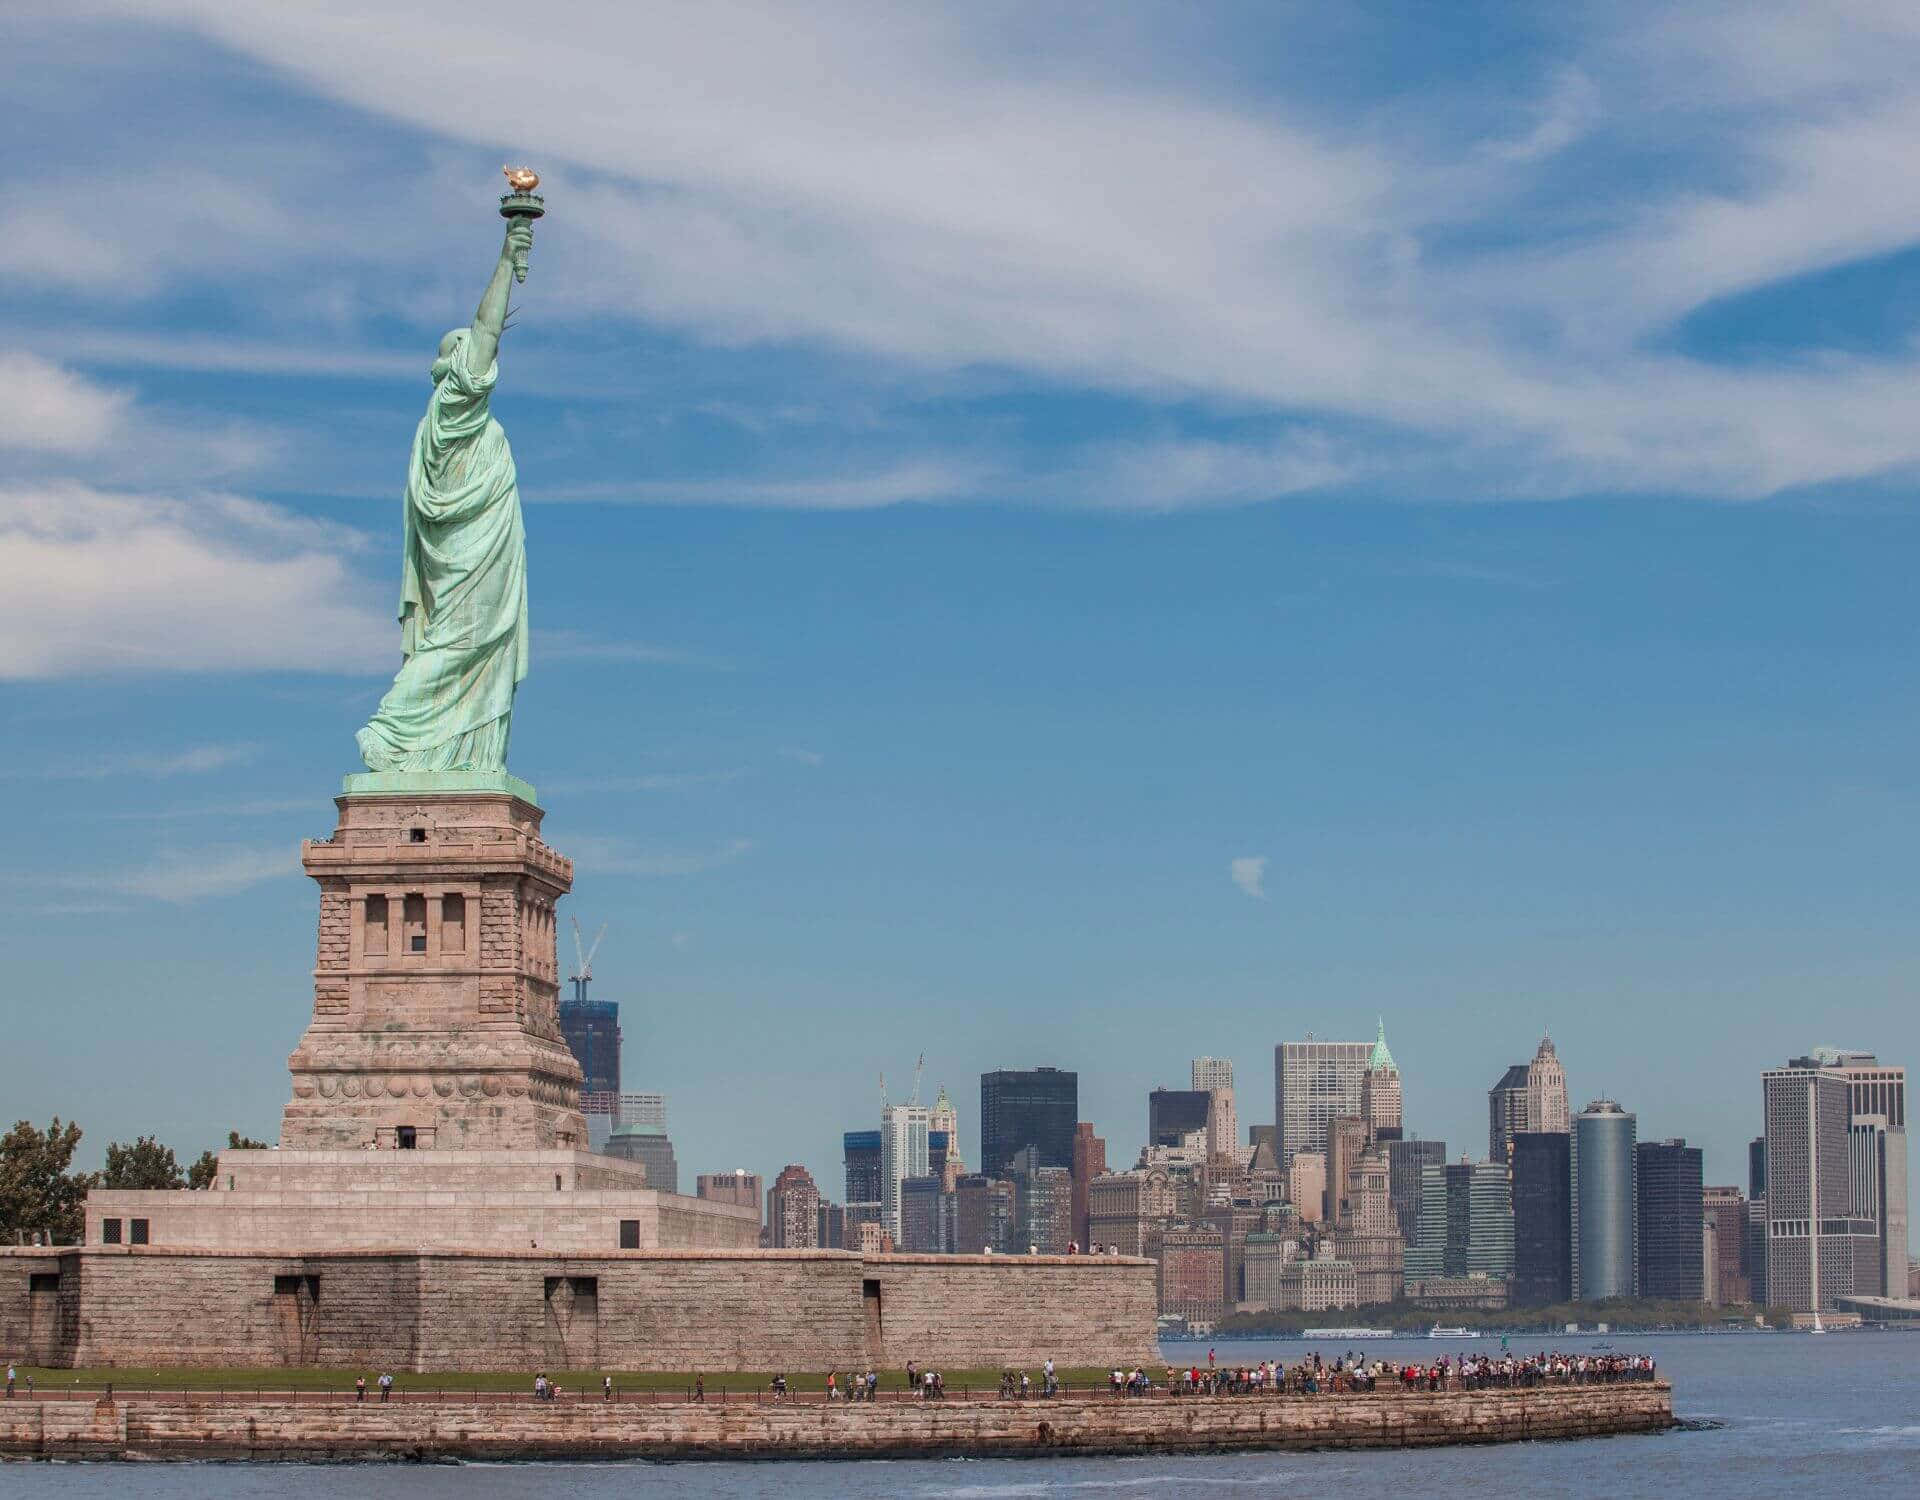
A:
[606,1388]
[386,1386]
[359,1387]
[11,1374]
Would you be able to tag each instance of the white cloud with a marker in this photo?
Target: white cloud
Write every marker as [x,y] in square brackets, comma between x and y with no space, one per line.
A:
[574,645]
[1249,872]
[96,582]
[52,409]
[194,761]
[804,756]
[942,187]
[176,876]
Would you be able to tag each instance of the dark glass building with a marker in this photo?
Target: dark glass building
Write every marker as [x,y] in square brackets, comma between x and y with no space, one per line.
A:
[1542,1219]
[592,1030]
[1173,1114]
[1669,1175]
[1021,1107]
[1756,1168]
[1405,1159]
[865,1184]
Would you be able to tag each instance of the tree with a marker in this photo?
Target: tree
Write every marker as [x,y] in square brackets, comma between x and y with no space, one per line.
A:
[201,1174]
[38,1195]
[145,1166]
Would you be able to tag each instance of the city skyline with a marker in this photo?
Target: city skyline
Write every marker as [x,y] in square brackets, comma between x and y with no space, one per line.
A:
[1017,601]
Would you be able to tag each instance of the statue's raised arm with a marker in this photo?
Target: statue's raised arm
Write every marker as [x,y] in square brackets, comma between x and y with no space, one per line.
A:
[483,342]
[463,561]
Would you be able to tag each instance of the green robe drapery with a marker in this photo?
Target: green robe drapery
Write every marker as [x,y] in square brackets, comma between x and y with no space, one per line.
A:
[463,589]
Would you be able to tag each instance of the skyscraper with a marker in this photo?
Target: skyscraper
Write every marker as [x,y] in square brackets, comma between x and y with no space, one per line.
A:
[1724,1246]
[1346,1139]
[1312,1082]
[1212,1073]
[739,1187]
[865,1191]
[1043,1203]
[1022,1107]
[904,1153]
[1877,1163]
[1670,1213]
[1814,1242]
[793,1210]
[592,1030]
[1466,1223]
[944,1117]
[1605,1232]
[648,1145]
[1757,1167]
[1089,1162]
[1506,1111]
[1406,1160]
[1380,1091]
[1542,1218]
[1175,1114]
[1547,1091]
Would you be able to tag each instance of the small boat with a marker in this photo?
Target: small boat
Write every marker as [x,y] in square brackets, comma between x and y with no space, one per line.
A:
[1440,1331]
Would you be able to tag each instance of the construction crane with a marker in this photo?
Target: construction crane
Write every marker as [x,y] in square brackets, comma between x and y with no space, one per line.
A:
[918,1067]
[584,974]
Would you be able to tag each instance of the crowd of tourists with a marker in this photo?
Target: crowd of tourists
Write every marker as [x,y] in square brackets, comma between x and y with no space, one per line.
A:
[1315,1375]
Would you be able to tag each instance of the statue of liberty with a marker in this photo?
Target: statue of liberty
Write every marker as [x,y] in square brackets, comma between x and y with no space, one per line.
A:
[463,571]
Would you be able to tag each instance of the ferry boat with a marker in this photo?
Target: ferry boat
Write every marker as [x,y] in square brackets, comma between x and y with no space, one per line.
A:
[1440,1331]
[1346,1333]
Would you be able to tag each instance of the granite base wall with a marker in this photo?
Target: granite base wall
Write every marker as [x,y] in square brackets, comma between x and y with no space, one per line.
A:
[144,1427]
[628,1310]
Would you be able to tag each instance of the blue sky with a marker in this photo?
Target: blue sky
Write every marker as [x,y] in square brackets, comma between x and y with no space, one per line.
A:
[1081,534]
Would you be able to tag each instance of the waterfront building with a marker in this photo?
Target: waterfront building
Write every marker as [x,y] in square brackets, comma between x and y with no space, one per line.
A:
[1265,1256]
[1176,1115]
[1021,1107]
[1506,1111]
[1380,1102]
[1192,1274]
[1312,1082]
[1126,1210]
[1669,1219]
[1723,1247]
[1877,1163]
[1317,1283]
[864,1182]
[1542,1218]
[1606,1235]
[1406,1160]
[1458,1294]
[1089,1162]
[905,1151]
[1757,1252]
[793,1210]
[1815,1246]
[648,1145]
[1466,1223]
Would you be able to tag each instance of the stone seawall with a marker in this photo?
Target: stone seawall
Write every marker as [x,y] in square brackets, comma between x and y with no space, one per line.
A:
[176,1428]
[714,1310]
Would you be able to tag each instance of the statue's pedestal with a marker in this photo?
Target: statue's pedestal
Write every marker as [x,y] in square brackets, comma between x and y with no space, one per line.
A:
[436,985]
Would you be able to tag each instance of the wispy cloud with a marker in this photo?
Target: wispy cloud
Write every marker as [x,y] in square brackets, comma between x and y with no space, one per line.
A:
[177,877]
[603,855]
[194,761]
[52,408]
[804,756]
[1249,873]
[222,810]
[574,645]
[645,781]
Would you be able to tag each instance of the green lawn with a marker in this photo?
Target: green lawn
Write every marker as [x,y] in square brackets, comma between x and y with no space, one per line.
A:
[132,1378]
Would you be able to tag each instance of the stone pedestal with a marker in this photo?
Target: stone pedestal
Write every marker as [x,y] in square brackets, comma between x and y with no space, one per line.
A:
[436,987]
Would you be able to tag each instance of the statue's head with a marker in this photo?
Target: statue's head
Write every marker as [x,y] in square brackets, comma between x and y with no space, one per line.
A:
[443,357]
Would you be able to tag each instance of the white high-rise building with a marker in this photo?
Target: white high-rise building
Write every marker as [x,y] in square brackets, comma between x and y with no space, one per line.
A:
[1547,1112]
[1211,1073]
[903,1154]
[1312,1082]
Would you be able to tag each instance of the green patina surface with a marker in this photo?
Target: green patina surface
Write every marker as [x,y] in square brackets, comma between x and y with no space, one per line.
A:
[463,568]
[415,783]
